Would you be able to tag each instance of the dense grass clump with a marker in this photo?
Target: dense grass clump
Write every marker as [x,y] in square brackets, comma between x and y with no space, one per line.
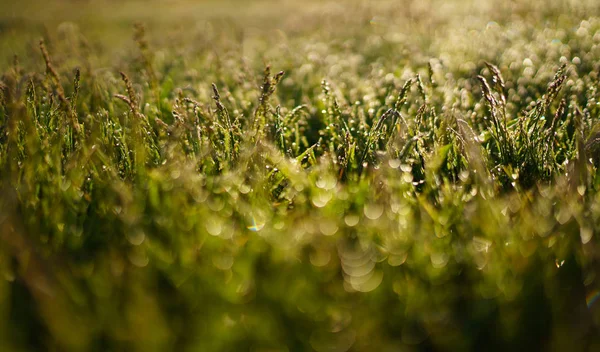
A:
[387,176]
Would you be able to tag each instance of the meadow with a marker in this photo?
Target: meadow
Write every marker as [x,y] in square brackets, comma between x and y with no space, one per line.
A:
[281,175]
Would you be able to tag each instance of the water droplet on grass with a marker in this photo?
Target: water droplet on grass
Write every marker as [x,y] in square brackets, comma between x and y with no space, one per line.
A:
[351,220]
[439,260]
[136,238]
[394,163]
[214,227]
[397,259]
[256,225]
[328,227]
[326,182]
[586,234]
[321,199]
[373,211]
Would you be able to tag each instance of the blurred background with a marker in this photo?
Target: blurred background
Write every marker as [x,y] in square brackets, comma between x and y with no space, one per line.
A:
[107,25]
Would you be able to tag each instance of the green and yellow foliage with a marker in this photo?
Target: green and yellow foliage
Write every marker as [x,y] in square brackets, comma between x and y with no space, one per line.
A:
[299,175]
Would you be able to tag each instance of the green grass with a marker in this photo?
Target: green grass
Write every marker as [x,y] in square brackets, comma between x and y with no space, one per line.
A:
[289,176]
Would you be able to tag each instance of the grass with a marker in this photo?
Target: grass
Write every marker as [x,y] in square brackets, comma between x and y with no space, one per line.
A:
[300,176]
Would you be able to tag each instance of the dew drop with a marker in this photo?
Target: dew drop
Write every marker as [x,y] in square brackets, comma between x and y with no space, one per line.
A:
[373,211]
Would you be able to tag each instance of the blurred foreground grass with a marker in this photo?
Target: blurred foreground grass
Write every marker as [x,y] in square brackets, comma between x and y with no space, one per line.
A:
[419,176]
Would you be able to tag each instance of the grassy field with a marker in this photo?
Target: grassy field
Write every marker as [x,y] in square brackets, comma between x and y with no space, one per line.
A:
[300,175]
